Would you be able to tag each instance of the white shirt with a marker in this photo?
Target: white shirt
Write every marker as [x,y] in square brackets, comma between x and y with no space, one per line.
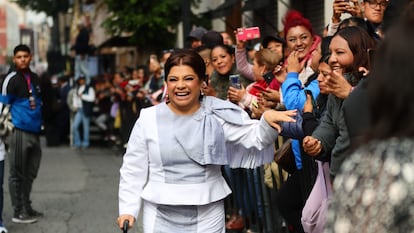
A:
[77,99]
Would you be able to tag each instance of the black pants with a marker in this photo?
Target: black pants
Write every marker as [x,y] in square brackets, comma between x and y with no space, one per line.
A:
[24,158]
[294,192]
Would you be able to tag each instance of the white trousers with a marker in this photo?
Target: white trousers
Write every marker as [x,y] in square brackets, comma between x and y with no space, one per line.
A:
[184,219]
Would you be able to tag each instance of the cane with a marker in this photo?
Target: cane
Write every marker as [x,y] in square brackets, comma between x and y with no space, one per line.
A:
[125,228]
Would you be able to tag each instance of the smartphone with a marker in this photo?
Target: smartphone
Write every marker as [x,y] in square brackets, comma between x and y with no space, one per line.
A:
[268,76]
[235,81]
[251,33]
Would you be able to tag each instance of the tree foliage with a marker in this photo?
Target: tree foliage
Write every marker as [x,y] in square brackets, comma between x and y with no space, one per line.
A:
[152,22]
[49,7]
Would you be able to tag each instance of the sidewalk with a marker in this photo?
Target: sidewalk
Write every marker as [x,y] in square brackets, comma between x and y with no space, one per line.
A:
[76,190]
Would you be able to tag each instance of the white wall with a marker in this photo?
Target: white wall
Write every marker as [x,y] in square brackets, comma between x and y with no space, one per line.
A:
[13,31]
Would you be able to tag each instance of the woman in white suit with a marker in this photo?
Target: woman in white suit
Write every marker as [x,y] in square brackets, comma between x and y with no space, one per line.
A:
[172,164]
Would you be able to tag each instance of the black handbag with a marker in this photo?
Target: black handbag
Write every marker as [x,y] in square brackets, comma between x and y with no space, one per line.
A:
[285,158]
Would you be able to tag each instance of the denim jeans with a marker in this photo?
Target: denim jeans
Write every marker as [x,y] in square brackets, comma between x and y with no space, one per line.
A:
[82,67]
[79,119]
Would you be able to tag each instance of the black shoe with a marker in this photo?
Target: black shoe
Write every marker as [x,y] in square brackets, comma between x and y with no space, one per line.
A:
[23,218]
[34,213]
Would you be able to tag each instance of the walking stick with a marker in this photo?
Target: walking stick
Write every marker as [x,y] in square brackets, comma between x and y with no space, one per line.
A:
[126,225]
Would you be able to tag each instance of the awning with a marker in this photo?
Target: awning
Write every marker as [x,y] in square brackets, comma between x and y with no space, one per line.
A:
[222,10]
[251,5]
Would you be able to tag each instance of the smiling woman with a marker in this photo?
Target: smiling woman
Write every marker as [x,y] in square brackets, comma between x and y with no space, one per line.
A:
[172,166]
[223,61]
[184,84]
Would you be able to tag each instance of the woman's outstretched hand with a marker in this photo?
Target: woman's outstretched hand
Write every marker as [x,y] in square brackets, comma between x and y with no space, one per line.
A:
[273,117]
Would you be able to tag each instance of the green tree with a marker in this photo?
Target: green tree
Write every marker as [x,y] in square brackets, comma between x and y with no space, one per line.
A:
[49,7]
[151,22]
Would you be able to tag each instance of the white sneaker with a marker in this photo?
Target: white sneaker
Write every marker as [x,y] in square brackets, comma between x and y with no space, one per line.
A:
[23,218]
[3,229]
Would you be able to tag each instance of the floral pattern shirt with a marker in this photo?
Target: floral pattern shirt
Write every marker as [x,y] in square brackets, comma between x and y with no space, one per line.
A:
[374,191]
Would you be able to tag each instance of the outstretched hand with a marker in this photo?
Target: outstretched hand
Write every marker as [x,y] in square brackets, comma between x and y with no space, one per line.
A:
[273,117]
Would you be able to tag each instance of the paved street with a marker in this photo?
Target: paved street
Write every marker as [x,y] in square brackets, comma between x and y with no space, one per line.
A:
[76,190]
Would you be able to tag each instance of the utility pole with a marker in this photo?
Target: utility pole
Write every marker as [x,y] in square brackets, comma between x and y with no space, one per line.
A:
[186,18]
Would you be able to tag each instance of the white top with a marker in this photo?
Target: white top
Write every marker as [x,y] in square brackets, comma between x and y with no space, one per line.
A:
[176,160]
[89,96]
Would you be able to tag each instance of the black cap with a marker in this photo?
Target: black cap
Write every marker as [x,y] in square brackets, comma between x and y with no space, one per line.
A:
[197,33]
[211,39]
[276,38]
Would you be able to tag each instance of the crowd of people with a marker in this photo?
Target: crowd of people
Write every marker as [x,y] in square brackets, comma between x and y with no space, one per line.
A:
[322,77]
[200,125]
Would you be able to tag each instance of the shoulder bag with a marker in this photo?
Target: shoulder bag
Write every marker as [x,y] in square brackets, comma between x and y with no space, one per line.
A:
[6,125]
[315,211]
[285,158]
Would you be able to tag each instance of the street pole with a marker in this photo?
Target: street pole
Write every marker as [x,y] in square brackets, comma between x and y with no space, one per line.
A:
[186,18]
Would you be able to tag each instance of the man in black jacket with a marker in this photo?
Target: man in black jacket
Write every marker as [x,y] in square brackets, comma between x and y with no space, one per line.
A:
[21,90]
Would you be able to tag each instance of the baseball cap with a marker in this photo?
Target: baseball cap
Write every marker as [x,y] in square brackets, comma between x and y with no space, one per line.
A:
[197,33]
[253,46]
[275,37]
[212,38]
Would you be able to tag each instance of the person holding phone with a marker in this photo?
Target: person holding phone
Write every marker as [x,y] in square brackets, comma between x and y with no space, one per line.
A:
[223,61]
[264,63]
[272,42]
[276,44]
[370,10]
[341,7]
